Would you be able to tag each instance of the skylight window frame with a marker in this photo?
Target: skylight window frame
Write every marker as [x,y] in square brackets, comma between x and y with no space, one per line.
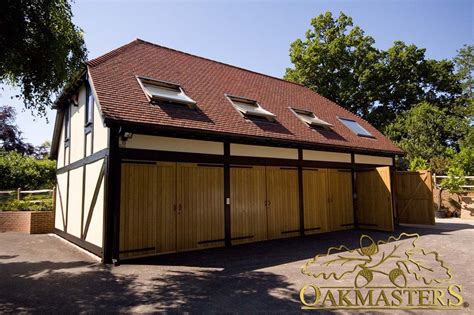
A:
[270,117]
[142,81]
[367,133]
[299,112]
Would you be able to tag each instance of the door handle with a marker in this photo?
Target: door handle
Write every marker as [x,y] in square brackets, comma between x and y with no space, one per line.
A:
[180,208]
[174,207]
[269,203]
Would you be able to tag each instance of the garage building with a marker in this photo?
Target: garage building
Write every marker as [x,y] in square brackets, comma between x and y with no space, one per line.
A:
[160,151]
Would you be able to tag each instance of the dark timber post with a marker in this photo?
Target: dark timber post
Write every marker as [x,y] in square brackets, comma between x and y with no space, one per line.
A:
[354,190]
[300,190]
[227,201]
[112,201]
[393,169]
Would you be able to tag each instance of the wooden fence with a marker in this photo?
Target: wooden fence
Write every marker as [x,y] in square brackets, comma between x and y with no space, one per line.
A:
[437,179]
[19,193]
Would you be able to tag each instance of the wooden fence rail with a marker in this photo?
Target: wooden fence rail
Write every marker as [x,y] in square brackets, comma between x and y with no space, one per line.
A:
[19,192]
[437,179]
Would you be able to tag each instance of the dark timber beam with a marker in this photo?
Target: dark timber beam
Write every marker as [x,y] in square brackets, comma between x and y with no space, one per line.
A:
[354,190]
[112,200]
[300,190]
[227,201]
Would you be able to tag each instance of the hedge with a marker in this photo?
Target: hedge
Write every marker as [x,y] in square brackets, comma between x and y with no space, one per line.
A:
[25,172]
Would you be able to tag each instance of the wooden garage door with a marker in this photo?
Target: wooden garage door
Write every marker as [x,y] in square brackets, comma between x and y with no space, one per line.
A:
[200,199]
[168,207]
[248,210]
[315,192]
[374,199]
[340,213]
[282,202]
[138,208]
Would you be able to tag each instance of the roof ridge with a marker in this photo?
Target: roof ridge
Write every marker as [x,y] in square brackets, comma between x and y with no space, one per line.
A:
[102,58]
[113,53]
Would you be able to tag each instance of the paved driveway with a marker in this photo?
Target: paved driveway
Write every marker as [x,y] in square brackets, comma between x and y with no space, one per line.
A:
[45,274]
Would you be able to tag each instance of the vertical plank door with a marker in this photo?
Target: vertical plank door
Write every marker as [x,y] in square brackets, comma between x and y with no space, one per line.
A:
[247,204]
[315,196]
[165,203]
[138,210]
[374,199]
[282,202]
[340,210]
[200,206]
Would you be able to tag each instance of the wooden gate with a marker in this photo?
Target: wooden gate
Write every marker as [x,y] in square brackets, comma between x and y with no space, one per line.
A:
[283,217]
[340,213]
[315,193]
[374,199]
[414,197]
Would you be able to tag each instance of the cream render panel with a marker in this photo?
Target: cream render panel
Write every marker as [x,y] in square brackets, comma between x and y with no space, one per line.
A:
[60,161]
[265,152]
[94,233]
[370,159]
[75,202]
[101,132]
[173,144]
[77,127]
[310,155]
[60,202]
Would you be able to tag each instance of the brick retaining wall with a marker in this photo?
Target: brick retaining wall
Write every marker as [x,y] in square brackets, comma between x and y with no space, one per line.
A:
[34,222]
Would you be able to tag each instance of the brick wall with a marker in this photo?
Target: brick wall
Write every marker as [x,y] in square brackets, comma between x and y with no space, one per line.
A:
[36,222]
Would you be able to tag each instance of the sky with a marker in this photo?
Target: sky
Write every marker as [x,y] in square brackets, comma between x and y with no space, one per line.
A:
[254,34]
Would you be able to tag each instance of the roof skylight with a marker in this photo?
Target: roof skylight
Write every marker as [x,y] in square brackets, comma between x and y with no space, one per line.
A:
[356,128]
[160,91]
[250,108]
[310,118]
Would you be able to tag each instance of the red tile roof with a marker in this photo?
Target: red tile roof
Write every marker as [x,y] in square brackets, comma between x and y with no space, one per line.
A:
[207,82]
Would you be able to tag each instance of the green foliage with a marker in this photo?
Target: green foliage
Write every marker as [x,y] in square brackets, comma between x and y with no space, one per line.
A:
[465,160]
[418,164]
[27,205]
[454,181]
[25,172]
[40,48]
[426,131]
[465,68]
[337,60]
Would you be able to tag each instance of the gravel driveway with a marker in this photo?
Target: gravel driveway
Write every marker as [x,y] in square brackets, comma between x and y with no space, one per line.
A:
[42,273]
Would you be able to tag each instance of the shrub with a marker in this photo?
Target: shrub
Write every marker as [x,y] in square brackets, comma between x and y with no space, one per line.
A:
[418,164]
[455,180]
[25,172]
[27,205]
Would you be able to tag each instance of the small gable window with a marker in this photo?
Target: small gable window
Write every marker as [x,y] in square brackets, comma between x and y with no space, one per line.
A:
[356,128]
[165,92]
[89,105]
[310,118]
[251,109]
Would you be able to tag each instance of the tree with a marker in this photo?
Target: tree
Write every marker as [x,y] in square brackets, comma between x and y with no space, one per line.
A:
[10,135]
[40,49]
[339,61]
[427,132]
[465,67]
